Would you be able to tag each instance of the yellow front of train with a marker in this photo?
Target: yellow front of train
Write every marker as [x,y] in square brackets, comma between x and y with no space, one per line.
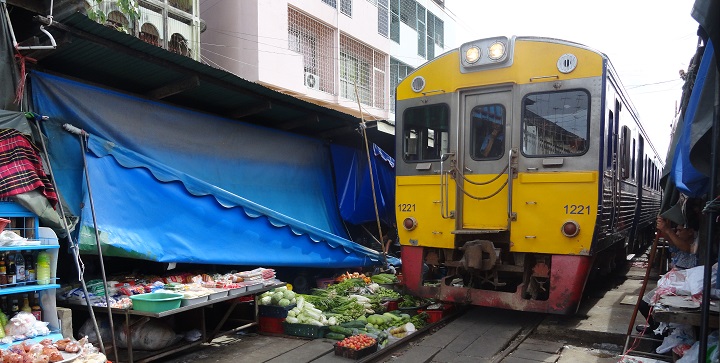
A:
[499,173]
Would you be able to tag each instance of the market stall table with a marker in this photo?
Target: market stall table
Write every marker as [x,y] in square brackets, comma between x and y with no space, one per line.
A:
[206,337]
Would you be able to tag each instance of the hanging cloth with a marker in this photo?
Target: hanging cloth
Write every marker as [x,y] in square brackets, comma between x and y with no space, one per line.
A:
[21,170]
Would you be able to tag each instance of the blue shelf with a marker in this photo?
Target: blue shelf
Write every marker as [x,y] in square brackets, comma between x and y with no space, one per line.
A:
[52,335]
[27,248]
[27,288]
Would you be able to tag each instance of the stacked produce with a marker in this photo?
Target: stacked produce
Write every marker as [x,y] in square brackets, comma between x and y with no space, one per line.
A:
[279,296]
[353,307]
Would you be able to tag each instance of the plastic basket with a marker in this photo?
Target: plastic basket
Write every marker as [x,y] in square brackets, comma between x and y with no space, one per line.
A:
[274,311]
[156,302]
[271,325]
[433,315]
[305,330]
[346,352]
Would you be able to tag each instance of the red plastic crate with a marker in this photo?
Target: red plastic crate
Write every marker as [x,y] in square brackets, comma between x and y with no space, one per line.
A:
[433,315]
[271,325]
[392,305]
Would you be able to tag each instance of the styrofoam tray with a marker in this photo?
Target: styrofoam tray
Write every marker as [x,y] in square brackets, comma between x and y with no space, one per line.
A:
[254,287]
[218,293]
[193,301]
[237,291]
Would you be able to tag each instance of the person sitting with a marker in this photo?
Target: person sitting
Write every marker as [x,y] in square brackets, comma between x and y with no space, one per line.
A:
[682,245]
[492,145]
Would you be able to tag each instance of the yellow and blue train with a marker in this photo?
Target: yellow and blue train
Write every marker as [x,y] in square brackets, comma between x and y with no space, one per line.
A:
[521,169]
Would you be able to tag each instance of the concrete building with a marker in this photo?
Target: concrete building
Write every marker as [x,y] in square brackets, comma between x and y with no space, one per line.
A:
[342,54]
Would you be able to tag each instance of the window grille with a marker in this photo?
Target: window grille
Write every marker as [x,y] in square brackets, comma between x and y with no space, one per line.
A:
[421,30]
[408,13]
[383,26]
[365,67]
[395,21]
[430,35]
[178,44]
[149,34]
[439,32]
[117,20]
[346,7]
[375,2]
[332,3]
[314,41]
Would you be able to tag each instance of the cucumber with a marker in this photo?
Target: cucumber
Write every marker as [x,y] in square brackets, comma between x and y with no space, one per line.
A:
[340,330]
[359,324]
[334,336]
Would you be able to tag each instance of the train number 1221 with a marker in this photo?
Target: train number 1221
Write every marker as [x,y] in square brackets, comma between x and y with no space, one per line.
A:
[577,209]
[405,207]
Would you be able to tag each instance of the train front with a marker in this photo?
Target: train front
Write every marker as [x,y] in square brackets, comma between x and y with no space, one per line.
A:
[497,174]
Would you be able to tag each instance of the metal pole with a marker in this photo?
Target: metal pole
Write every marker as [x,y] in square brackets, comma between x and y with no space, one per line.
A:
[711,215]
[73,246]
[97,243]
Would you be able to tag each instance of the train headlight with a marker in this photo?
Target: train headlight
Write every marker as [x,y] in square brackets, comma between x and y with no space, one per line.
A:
[409,223]
[496,51]
[472,54]
[570,229]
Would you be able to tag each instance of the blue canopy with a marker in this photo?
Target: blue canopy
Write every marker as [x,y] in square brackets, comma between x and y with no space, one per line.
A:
[354,189]
[174,185]
[687,172]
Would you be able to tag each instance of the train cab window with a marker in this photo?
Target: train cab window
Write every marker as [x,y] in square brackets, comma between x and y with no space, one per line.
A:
[487,140]
[555,123]
[425,132]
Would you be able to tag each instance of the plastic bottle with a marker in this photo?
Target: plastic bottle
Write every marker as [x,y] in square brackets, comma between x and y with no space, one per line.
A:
[43,268]
[36,309]
[30,274]
[15,307]
[3,272]
[19,268]
[10,267]
[26,304]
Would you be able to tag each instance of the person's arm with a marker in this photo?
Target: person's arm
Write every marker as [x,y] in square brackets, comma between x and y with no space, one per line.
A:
[488,147]
[684,245]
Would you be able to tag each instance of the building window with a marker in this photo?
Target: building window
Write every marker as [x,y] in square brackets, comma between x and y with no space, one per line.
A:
[178,44]
[363,69]
[383,24]
[430,35]
[149,34]
[332,3]
[439,32]
[117,20]
[408,13]
[421,30]
[395,21]
[184,5]
[315,42]
[346,7]
[398,72]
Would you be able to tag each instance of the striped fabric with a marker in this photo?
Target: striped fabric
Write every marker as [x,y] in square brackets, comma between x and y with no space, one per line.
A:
[20,167]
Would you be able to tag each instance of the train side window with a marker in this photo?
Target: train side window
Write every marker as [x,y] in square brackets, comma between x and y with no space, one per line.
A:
[426,132]
[487,140]
[625,152]
[556,123]
[611,122]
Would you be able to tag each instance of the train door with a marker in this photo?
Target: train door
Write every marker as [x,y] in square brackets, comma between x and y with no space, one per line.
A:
[482,185]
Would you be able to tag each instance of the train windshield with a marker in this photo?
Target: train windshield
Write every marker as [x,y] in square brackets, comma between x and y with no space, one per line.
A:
[488,132]
[555,123]
[425,132]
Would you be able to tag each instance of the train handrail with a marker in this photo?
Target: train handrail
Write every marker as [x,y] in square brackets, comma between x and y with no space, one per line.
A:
[444,189]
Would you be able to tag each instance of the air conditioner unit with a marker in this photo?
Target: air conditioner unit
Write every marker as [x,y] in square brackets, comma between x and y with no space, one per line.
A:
[312,81]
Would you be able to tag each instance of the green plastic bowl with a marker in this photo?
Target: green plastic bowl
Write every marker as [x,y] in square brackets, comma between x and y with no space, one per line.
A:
[156,302]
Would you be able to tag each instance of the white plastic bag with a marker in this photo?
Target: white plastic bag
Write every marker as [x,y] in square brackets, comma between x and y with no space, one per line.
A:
[681,334]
